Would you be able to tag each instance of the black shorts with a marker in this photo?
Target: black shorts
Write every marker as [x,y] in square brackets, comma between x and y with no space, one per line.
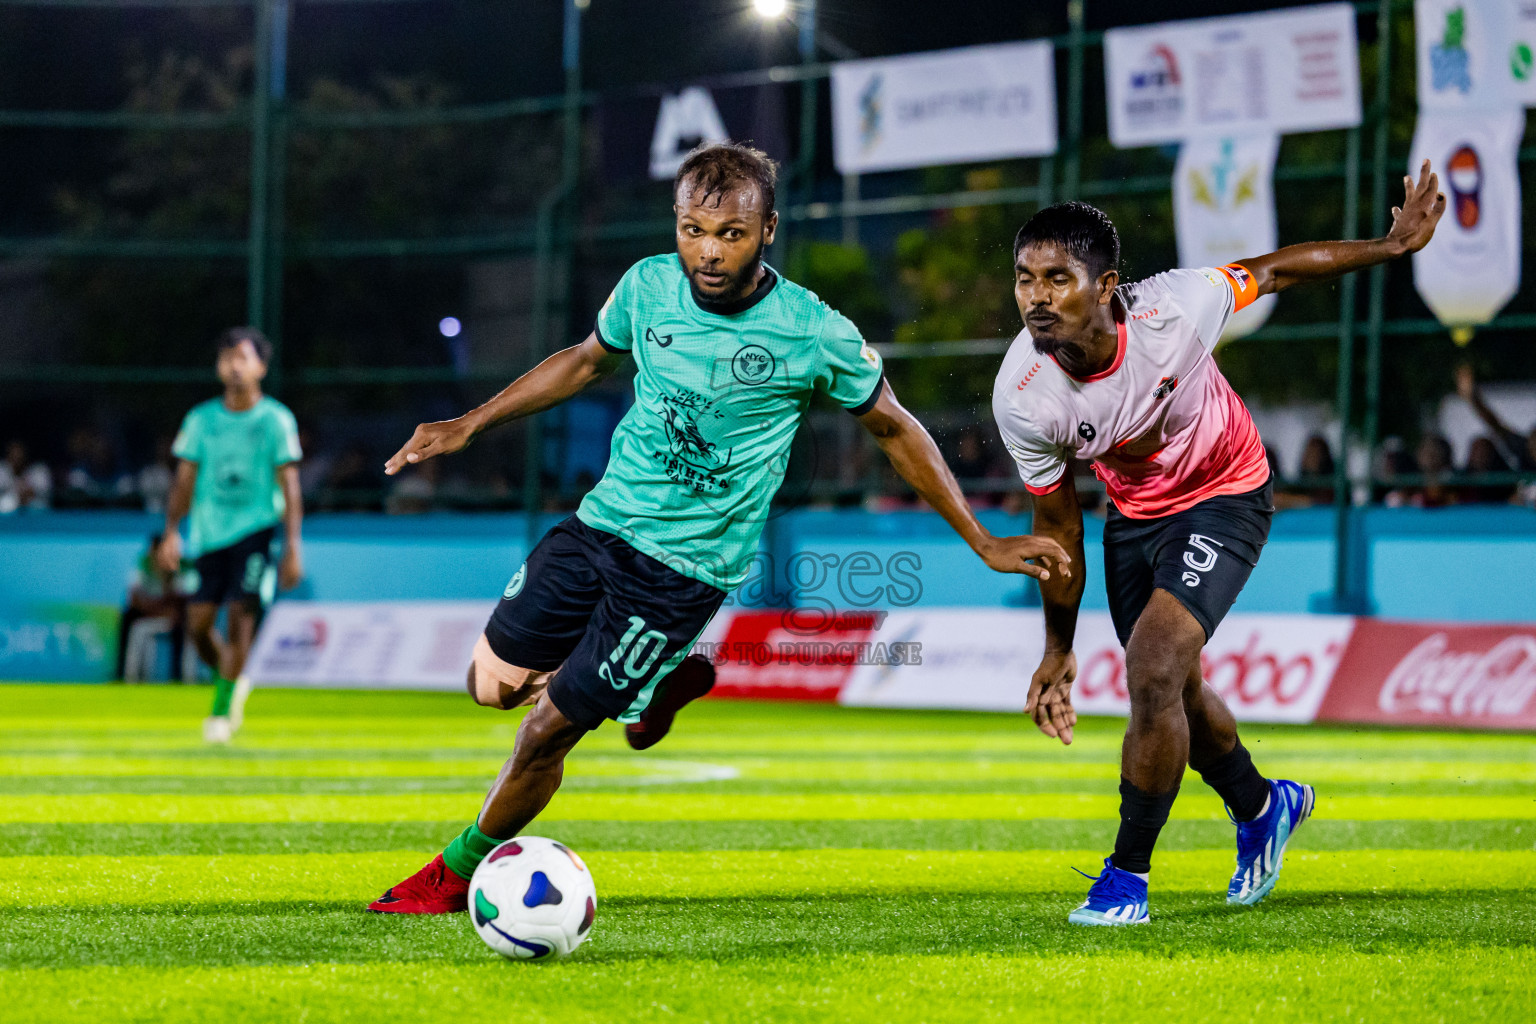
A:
[613,620]
[1202,556]
[243,572]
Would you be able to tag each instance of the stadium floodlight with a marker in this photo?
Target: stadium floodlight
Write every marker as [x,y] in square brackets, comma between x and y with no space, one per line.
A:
[771,8]
[449,326]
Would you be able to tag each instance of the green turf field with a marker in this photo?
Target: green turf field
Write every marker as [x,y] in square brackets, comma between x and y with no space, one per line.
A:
[767,862]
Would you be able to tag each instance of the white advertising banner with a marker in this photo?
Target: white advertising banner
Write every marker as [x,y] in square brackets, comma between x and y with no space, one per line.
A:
[369,645]
[1268,668]
[949,107]
[1292,70]
[1224,209]
[1471,268]
[1475,54]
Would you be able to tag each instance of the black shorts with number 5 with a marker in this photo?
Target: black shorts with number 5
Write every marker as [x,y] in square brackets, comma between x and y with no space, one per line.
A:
[613,620]
[1202,556]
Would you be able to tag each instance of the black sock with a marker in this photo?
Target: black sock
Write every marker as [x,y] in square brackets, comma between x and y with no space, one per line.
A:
[1237,782]
[1142,816]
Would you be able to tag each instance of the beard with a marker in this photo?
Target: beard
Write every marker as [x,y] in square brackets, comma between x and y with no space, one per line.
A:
[737,285]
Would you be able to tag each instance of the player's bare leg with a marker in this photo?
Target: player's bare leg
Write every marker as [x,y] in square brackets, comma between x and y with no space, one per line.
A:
[533,773]
[202,630]
[522,789]
[243,620]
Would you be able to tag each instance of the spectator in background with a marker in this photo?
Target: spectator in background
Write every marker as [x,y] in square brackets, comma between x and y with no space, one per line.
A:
[1432,462]
[90,478]
[1314,474]
[1514,450]
[1484,457]
[153,595]
[153,482]
[354,484]
[23,482]
[413,492]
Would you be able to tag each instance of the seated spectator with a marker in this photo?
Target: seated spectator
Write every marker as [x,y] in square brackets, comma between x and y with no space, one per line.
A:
[354,483]
[1432,462]
[153,482]
[89,478]
[1314,476]
[155,606]
[23,482]
[413,491]
[1483,457]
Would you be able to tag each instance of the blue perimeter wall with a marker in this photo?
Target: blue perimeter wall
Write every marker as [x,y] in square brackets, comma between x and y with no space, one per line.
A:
[1466,564]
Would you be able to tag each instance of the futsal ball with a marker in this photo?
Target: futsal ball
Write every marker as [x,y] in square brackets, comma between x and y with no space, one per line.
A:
[532,899]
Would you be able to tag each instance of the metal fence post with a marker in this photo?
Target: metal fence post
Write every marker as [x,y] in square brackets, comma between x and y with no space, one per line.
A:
[1344,598]
[1378,283]
[1071,168]
[264,245]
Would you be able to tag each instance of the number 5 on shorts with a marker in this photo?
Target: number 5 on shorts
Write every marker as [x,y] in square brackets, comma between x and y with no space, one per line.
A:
[643,645]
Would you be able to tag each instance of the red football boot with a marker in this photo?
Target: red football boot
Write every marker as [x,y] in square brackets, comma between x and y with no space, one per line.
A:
[432,890]
[692,679]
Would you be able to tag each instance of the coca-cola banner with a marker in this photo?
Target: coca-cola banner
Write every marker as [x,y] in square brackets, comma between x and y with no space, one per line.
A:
[1416,673]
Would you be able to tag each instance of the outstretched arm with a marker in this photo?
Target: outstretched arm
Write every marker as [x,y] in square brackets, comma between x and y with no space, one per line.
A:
[562,375]
[1413,224]
[1058,515]
[912,451]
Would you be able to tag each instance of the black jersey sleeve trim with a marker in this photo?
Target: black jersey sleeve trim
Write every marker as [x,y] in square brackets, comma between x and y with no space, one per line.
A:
[597,332]
[870,402]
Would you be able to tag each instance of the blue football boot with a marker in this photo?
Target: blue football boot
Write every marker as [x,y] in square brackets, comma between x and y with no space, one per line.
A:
[1116,897]
[1261,842]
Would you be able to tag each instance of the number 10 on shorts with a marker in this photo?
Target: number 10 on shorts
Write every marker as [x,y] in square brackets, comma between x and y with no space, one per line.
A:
[635,653]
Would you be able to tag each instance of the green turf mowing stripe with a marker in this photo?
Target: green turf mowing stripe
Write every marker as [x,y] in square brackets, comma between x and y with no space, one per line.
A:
[732,930]
[621,769]
[650,806]
[84,881]
[967,834]
[1459,984]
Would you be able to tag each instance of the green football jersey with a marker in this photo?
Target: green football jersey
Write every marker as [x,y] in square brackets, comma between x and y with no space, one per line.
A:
[719,392]
[237,456]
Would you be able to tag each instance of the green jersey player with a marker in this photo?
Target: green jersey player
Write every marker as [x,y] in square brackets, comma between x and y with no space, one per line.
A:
[598,622]
[238,475]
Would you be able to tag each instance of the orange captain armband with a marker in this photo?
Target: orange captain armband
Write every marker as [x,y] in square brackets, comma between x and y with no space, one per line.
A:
[1244,288]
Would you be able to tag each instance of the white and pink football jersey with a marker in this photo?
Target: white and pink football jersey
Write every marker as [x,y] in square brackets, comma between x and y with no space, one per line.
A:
[1163,427]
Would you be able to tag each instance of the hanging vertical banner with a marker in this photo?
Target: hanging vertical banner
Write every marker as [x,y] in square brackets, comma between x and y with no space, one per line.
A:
[949,107]
[1294,70]
[1471,268]
[1224,209]
[1475,54]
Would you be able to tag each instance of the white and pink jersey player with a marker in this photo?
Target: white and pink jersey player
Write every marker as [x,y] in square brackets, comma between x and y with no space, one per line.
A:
[1163,427]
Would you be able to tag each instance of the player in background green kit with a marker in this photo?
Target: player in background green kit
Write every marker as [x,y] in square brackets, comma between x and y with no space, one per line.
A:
[239,478]
[599,621]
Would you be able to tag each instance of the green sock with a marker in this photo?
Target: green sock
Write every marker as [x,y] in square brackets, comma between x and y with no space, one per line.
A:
[466,852]
[223,692]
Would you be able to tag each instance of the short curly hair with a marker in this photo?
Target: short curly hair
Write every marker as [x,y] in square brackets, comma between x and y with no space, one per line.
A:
[719,167]
[1084,231]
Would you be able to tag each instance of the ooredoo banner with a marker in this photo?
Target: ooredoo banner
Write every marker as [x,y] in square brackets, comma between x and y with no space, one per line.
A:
[1269,668]
[946,107]
[1416,673]
[1273,72]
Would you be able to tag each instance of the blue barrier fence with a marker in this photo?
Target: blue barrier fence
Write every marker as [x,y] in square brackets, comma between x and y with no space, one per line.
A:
[66,574]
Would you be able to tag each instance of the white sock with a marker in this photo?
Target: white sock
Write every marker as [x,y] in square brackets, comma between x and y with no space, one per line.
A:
[1143,877]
